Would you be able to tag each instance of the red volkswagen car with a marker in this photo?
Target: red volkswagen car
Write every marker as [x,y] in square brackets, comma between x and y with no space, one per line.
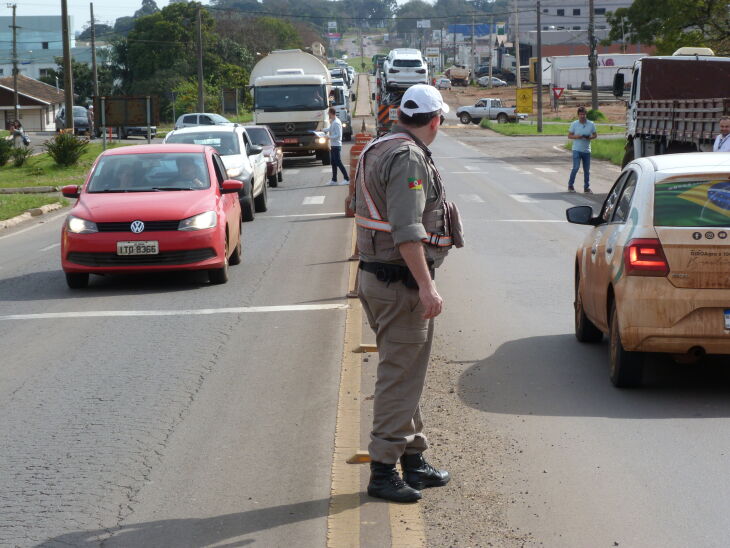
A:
[152,208]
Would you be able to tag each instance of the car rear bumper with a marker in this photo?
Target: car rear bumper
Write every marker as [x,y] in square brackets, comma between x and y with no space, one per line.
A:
[406,84]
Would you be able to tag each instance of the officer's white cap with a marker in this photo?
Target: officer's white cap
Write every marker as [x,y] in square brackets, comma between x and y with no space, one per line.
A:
[427,99]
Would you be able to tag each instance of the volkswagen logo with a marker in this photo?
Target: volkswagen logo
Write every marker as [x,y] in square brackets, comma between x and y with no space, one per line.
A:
[137,226]
[289,127]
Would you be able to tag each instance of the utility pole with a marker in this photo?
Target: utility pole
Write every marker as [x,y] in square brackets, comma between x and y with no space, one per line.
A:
[538,69]
[94,74]
[473,50]
[201,97]
[491,49]
[68,80]
[518,74]
[15,65]
[592,56]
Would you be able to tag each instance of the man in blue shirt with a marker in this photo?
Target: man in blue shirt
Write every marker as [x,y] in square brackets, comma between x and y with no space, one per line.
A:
[335,132]
[582,131]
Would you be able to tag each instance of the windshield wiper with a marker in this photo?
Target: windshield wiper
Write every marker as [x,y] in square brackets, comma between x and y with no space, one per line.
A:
[160,189]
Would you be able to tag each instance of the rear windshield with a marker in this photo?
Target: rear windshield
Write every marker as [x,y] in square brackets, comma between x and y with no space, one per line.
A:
[79,111]
[407,63]
[259,136]
[225,144]
[692,203]
[150,173]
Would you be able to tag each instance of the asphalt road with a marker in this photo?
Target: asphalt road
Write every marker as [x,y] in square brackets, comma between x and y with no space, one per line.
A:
[180,429]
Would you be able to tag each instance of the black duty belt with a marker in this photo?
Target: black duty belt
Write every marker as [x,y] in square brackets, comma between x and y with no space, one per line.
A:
[386,272]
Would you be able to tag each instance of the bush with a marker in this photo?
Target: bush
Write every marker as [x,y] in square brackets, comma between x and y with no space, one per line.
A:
[66,148]
[596,116]
[6,151]
[21,155]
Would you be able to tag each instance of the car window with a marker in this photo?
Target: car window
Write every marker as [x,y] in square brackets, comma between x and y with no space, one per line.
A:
[220,170]
[610,203]
[205,120]
[190,119]
[246,142]
[697,203]
[407,63]
[621,212]
[225,143]
[218,119]
[150,172]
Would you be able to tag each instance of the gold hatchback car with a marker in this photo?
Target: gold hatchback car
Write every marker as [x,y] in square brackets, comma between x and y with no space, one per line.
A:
[654,272]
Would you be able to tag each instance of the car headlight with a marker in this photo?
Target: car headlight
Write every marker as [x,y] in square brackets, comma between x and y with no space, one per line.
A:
[234,172]
[77,225]
[321,140]
[344,124]
[199,222]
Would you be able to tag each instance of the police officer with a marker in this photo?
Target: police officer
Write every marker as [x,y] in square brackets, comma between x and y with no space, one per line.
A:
[404,230]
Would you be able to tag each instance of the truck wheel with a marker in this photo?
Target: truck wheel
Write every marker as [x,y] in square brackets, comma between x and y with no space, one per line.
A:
[464,118]
[502,118]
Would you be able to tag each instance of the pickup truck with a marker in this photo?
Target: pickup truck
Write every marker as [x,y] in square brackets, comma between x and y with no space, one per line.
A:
[491,109]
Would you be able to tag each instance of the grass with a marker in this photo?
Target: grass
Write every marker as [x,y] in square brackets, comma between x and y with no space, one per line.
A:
[356,63]
[12,205]
[530,128]
[40,170]
[245,117]
[606,149]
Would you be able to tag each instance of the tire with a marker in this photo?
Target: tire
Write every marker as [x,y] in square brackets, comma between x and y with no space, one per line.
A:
[348,137]
[219,276]
[585,329]
[248,212]
[77,280]
[237,254]
[502,118]
[280,175]
[259,201]
[273,180]
[627,368]
[477,121]
[325,157]
[464,118]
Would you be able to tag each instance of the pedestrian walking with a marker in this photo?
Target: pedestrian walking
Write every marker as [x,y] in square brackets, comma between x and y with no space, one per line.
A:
[335,133]
[405,228]
[722,141]
[582,131]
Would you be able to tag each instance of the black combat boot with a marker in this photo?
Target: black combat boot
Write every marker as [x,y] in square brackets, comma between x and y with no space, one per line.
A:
[385,483]
[419,474]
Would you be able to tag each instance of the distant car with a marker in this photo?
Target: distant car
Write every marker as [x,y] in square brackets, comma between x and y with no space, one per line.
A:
[83,123]
[244,161]
[652,273]
[496,82]
[481,70]
[201,119]
[131,216]
[263,137]
[443,83]
[404,67]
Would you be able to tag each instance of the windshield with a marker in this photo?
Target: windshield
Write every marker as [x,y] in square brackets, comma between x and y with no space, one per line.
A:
[692,203]
[225,143]
[79,112]
[259,136]
[150,173]
[407,63]
[286,98]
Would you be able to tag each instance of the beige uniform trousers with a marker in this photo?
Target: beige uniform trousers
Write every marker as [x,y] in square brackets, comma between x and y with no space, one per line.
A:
[404,341]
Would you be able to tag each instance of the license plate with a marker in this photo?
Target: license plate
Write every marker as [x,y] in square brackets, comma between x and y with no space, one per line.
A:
[393,114]
[291,140]
[727,318]
[142,247]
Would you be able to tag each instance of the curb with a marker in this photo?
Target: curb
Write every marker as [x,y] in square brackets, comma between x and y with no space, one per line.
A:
[35,212]
[29,190]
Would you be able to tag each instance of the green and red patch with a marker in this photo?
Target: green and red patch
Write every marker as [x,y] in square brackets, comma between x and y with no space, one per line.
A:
[415,184]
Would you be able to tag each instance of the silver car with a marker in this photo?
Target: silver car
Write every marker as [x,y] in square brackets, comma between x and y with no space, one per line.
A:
[201,119]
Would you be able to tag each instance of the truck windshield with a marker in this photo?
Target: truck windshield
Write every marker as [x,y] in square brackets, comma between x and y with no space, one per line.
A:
[287,98]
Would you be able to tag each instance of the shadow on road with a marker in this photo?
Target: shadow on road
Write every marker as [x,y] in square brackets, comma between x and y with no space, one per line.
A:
[558,376]
[193,532]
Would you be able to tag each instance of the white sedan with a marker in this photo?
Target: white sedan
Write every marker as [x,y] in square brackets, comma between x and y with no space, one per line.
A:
[496,82]
[443,83]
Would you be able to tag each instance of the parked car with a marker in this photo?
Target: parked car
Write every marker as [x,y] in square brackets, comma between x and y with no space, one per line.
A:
[201,119]
[403,68]
[243,160]
[263,137]
[443,83]
[496,82]
[652,273]
[128,217]
[491,109]
[83,122]
[482,70]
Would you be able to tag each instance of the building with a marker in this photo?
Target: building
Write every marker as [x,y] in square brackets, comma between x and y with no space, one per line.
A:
[564,15]
[38,103]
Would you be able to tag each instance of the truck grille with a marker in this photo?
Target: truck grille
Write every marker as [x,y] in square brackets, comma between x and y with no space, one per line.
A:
[280,129]
[185,256]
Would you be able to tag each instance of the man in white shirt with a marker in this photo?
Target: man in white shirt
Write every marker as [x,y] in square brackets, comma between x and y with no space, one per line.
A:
[722,141]
[335,132]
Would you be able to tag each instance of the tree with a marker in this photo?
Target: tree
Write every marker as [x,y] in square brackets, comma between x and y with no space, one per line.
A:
[148,8]
[671,24]
[102,32]
[83,82]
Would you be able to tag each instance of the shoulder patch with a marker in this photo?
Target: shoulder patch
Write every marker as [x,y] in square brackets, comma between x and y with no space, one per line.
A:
[415,184]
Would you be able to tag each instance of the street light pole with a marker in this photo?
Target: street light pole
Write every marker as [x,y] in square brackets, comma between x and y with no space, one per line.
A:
[518,74]
[15,65]
[94,74]
[201,97]
[538,69]
[592,56]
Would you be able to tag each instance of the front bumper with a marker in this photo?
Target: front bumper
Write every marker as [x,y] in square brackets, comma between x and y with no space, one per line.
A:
[302,144]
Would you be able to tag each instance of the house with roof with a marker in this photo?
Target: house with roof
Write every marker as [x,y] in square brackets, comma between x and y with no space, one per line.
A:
[38,103]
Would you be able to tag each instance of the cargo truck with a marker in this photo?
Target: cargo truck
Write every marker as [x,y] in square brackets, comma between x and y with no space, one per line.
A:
[290,95]
[675,102]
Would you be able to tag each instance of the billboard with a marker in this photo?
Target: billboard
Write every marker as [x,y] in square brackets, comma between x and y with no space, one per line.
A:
[126,110]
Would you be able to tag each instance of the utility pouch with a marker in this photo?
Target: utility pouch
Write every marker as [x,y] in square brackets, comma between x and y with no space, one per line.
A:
[455,227]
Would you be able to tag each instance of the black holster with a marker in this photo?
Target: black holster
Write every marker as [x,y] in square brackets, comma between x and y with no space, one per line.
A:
[387,273]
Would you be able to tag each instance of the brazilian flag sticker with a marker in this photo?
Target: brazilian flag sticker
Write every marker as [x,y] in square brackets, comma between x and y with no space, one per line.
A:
[692,203]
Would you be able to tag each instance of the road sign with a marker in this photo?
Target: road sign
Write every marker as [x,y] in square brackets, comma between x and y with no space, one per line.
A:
[423,24]
[332,25]
[121,110]
[432,51]
[557,92]
[524,100]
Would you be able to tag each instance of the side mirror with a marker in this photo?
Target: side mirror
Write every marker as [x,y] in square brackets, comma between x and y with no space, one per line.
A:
[580,215]
[230,186]
[70,191]
[618,84]
[255,149]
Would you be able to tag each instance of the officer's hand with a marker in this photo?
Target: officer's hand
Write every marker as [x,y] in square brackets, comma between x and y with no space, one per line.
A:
[431,300]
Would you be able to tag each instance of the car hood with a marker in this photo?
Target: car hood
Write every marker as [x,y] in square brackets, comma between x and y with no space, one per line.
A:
[233,161]
[145,206]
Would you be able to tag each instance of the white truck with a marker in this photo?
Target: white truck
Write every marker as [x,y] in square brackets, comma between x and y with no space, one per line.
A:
[290,95]
[573,71]
[488,108]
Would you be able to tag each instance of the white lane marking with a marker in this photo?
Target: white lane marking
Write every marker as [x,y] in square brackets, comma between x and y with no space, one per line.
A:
[546,169]
[291,171]
[471,197]
[561,149]
[35,226]
[522,198]
[184,312]
[304,215]
[313,200]
[49,247]
[513,168]
[326,170]
[471,168]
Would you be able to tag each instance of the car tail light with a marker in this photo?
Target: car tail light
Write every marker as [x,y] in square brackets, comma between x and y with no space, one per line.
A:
[421,71]
[645,257]
[392,71]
